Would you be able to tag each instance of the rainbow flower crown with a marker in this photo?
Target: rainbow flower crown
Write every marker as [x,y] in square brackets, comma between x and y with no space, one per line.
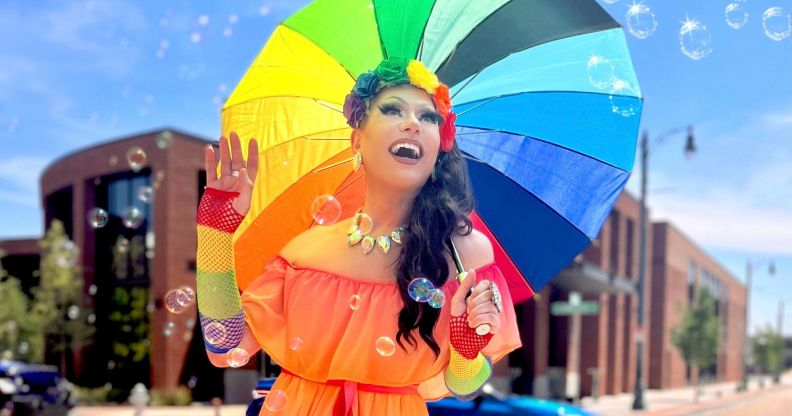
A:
[400,71]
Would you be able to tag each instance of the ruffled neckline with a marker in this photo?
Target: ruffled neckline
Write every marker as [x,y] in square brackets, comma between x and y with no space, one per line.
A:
[361,281]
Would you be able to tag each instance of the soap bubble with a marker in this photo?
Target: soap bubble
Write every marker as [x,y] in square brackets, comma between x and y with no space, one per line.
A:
[275,401]
[695,40]
[237,357]
[145,193]
[172,303]
[736,15]
[385,346]
[296,344]
[641,21]
[600,72]
[163,139]
[419,289]
[436,298]
[325,210]
[186,296]
[214,333]
[354,302]
[777,23]
[136,158]
[622,98]
[73,312]
[132,217]
[92,289]
[97,218]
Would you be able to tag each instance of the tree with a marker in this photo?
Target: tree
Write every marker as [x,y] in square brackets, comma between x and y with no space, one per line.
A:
[20,337]
[768,352]
[697,336]
[58,298]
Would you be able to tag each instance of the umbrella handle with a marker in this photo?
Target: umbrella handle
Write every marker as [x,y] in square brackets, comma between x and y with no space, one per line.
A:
[482,329]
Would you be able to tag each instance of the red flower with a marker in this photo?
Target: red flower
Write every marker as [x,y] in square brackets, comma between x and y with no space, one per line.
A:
[442,100]
[448,133]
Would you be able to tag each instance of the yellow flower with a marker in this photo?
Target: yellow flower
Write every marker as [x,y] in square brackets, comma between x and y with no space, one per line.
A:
[422,77]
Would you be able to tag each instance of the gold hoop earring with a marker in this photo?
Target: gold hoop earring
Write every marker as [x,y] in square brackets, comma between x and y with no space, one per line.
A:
[357,161]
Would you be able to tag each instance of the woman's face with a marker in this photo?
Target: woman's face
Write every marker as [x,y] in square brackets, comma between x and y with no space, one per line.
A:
[400,137]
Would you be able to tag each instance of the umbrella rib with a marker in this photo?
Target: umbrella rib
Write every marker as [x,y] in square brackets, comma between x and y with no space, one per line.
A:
[466,84]
[477,106]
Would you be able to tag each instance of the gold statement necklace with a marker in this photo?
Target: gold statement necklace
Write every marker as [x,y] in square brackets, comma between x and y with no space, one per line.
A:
[355,235]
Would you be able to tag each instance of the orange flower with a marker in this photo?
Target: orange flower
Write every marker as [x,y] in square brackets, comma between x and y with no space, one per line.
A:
[442,100]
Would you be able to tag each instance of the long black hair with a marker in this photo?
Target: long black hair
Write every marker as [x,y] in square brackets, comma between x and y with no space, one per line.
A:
[440,210]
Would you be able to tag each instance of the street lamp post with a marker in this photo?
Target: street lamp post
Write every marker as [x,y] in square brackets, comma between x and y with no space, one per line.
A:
[690,148]
[749,265]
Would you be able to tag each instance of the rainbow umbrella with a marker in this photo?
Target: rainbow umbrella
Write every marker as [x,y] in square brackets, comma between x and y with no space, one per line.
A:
[549,139]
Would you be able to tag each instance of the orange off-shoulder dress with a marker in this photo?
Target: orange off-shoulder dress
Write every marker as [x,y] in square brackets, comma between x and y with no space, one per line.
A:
[323,329]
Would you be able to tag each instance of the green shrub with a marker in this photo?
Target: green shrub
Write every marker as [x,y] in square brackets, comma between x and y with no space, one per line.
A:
[180,396]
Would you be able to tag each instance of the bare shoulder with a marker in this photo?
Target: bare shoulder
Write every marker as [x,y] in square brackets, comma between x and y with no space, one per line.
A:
[308,243]
[475,249]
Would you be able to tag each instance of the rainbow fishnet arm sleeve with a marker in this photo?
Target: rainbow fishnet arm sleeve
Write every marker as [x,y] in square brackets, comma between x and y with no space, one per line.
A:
[467,369]
[219,302]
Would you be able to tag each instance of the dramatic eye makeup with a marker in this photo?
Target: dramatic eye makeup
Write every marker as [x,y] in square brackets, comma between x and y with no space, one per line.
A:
[394,109]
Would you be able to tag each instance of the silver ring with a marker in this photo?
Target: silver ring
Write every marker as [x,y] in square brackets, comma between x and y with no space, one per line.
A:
[235,173]
[496,297]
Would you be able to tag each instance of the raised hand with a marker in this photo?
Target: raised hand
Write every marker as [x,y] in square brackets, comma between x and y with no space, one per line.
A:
[479,305]
[236,173]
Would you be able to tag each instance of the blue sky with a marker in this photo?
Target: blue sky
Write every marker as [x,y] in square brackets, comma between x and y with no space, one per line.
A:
[78,73]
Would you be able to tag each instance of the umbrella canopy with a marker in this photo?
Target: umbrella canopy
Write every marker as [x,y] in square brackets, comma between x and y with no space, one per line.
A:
[548,150]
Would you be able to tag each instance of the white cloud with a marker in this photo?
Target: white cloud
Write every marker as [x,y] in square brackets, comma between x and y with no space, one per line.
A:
[737,192]
[725,220]
[23,171]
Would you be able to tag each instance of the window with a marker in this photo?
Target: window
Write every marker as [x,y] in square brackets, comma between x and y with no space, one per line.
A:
[691,279]
[628,255]
[59,207]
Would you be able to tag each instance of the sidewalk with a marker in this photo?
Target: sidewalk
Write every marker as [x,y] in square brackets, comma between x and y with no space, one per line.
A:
[680,401]
[228,410]
[715,399]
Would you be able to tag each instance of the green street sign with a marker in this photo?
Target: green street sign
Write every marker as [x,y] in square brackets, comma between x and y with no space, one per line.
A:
[566,308]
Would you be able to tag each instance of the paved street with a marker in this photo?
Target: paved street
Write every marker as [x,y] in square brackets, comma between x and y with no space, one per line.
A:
[716,399]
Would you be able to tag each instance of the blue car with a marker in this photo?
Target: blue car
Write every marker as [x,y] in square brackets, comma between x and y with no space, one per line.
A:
[490,403]
[30,389]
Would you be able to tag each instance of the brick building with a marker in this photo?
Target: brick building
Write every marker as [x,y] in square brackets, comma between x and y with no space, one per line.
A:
[138,264]
[159,255]
[603,354]
[679,269]
[602,357]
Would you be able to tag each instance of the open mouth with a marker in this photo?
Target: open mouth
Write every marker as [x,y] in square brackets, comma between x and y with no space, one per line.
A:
[406,150]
